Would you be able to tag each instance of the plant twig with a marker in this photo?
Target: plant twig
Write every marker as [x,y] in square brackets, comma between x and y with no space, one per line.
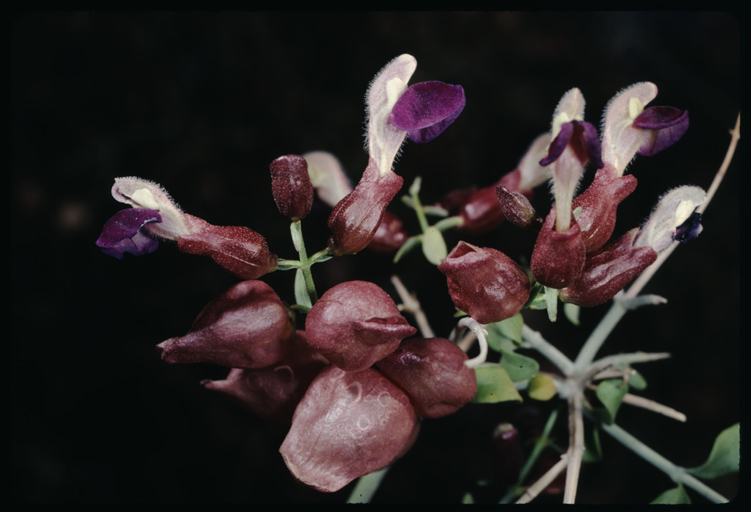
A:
[677,473]
[410,304]
[555,356]
[575,448]
[646,403]
[544,481]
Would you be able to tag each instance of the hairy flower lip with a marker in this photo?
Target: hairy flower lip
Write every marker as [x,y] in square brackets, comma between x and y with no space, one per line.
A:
[427,109]
[665,125]
[582,136]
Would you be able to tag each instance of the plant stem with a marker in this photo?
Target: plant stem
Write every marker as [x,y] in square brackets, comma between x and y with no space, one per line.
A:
[545,480]
[575,448]
[366,486]
[299,243]
[412,305]
[677,473]
[555,356]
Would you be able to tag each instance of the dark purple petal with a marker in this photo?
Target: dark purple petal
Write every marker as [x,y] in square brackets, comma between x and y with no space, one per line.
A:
[591,142]
[122,233]
[668,125]
[426,109]
[559,143]
[689,229]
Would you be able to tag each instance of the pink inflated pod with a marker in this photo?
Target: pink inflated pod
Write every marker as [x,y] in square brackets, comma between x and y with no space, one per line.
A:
[247,326]
[347,425]
[355,324]
[273,392]
[433,373]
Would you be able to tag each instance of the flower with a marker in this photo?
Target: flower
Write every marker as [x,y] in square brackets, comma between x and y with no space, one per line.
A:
[291,186]
[240,250]
[485,283]
[558,257]
[247,326]
[426,109]
[355,324]
[674,218]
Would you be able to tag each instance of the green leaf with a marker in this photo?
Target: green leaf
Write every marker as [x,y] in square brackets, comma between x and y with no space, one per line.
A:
[592,447]
[572,312]
[505,335]
[409,244]
[467,499]
[637,381]
[494,385]
[542,387]
[301,290]
[551,303]
[724,457]
[434,246]
[611,393]
[518,367]
[676,496]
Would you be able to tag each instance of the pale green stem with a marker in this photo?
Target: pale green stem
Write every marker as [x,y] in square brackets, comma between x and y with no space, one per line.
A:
[599,335]
[297,240]
[366,486]
[555,356]
[677,473]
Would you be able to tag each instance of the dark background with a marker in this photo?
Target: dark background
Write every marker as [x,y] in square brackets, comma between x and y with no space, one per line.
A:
[202,103]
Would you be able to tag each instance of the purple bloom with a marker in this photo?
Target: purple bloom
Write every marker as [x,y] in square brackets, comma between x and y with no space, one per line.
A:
[583,139]
[665,124]
[426,109]
[124,233]
[689,229]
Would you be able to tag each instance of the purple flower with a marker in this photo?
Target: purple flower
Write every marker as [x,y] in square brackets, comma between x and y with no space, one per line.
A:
[664,125]
[124,233]
[426,109]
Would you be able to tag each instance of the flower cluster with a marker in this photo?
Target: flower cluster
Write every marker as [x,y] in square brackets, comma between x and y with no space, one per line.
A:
[351,379]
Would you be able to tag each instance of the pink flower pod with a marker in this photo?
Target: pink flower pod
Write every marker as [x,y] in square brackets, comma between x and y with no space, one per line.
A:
[485,283]
[247,326]
[355,219]
[347,425]
[273,392]
[598,206]
[389,236]
[291,186]
[239,250]
[558,258]
[433,373]
[607,270]
[517,209]
[355,324]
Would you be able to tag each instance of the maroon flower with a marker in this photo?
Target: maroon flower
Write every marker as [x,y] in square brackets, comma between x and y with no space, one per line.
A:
[485,283]
[291,186]
[356,218]
[354,324]
[247,326]
[433,373]
[347,425]
[389,236]
[273,392]
[558,258]
[607,270]
[508,457]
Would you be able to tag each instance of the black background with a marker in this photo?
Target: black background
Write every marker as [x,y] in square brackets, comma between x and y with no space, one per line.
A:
[202,103]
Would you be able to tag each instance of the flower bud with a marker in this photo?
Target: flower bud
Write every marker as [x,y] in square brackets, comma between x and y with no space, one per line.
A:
[557,257]
[598,206]
[273,392]
[291,186]
[247,326]
[347,425]
[355,324]
[508,458]
[433,373]
[239,250]
[607,270]
[356,218]
[517,209]
[485,283]
[389,236]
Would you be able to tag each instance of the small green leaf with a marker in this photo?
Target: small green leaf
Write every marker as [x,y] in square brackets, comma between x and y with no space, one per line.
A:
[301,290]
[611,393]
[724,457]
[593,449]
[675,496]
[434,246]
[519,367]
[572,312]
[505,335]
[494,385]
[467,499]
[637,381]
[542,387]
[409,244]
[551,303]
